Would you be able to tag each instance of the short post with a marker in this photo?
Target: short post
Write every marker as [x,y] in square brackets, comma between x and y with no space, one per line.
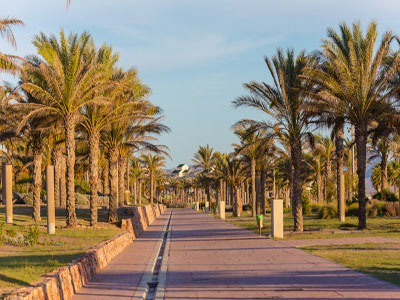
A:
[127,196]
[51,212]
[197,206]
[222,210]
[7,191]
[3,182]
[207,207]
[260,219]
[277,218]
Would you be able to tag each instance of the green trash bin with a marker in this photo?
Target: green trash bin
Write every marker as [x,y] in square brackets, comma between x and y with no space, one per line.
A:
[215,210]
[260,219]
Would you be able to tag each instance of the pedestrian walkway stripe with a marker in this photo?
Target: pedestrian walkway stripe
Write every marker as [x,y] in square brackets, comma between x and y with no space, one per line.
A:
[149,284]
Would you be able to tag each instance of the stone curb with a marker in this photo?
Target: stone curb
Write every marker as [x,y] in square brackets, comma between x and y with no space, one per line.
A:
[63,283]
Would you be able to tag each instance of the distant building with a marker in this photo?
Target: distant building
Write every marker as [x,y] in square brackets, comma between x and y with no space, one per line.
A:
[183,171]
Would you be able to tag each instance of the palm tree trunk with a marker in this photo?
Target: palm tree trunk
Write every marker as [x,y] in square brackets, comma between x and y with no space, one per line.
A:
[263,192]
[339,137]
[151,186]
[63,186]
[361,144]
[140,192]
[319,184]
[94,175]
[384,177]
[70,157]
[253,187]
[56,159]
[106,180]
[237,206]
[113,175]
[37,183]
[258,192]
[135,190]
[121,180]
[296,154]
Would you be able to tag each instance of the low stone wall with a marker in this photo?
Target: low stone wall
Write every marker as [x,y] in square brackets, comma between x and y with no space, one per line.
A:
[64,282]
[143,216]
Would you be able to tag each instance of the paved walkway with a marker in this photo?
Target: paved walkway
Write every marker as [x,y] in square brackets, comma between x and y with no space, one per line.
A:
[120,279]
[211,259]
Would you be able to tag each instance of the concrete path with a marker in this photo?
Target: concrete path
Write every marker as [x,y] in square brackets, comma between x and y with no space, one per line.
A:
[211,259]
[120,279]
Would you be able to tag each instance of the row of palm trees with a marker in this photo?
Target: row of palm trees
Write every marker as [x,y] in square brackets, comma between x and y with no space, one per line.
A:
[353,81]
[74,102]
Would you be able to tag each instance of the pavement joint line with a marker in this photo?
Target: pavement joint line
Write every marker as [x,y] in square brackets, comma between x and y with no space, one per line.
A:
[143,287]
[160,292]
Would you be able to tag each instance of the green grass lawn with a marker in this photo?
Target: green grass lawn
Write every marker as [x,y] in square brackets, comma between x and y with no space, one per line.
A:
[379,260]
[322,228]
[22,265]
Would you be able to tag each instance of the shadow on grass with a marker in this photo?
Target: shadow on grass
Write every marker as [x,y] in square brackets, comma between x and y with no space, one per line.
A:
[40,262]
[13,280]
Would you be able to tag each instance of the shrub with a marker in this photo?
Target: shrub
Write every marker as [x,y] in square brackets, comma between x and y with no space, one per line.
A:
[11,232]
[33,235]
[376,208]
[315,207]
[391,209]
[352,209]
[81,186]
[247,207]
[327,212]
[306,204]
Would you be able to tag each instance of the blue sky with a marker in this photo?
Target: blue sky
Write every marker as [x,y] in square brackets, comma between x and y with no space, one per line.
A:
[195,55]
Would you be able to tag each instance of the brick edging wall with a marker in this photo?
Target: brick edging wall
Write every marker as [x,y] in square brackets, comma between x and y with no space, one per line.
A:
[64,282]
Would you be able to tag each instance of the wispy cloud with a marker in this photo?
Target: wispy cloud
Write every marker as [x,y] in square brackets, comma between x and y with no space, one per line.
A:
[177,52]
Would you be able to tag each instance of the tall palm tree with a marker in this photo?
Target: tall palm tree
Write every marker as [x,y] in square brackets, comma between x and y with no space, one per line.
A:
[9,63]
[354,84]
[203,158]
[153,163]
[284,102]
[71,79]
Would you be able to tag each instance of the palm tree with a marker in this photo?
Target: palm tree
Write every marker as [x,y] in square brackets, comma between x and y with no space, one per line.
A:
[381,148]
[285,103]
[8,63]
[249,146]
[315,160]
[137,172]
[71,79]
[354,84]
[153,163]
[203,158]
[234,174]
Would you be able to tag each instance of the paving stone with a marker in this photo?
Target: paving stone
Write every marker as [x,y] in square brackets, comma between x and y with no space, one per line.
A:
[211,259]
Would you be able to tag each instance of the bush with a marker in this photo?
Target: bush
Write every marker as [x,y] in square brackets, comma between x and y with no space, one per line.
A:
[391,209]
[306,204]
[81,186]
[352,209]
[327,212]
[247,207]
[315,207]
[388,195]
[376,208]
[33,235]
[81,199]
